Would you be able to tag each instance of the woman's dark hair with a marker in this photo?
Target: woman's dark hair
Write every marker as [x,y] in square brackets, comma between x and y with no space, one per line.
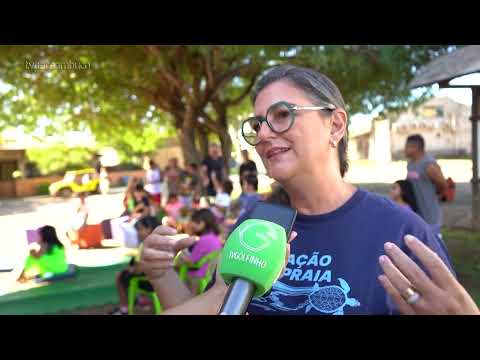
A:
[407,194]
[318,87]
[227,186]
[148,222]
[208,219]
[251,180]
[49,237]
[139,187]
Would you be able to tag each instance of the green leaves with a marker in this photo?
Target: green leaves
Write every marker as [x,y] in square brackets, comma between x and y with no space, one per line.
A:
[113,90]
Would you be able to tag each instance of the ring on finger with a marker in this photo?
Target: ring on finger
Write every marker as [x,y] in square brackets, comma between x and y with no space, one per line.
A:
[410,295]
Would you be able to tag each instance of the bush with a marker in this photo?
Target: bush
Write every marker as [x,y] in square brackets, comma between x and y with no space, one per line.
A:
[57,159]
[42,189]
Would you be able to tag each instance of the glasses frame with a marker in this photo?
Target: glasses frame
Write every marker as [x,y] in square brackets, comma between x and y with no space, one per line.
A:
[292,108]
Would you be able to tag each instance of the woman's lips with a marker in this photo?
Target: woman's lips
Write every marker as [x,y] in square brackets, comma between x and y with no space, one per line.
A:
[272,152]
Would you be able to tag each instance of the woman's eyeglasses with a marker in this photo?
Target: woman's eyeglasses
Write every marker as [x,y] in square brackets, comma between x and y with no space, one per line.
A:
[280,118]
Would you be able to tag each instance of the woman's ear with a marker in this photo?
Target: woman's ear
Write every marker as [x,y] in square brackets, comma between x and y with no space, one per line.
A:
[339,126]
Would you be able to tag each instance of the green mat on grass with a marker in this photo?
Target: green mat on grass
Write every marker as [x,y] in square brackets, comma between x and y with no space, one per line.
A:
[92,286]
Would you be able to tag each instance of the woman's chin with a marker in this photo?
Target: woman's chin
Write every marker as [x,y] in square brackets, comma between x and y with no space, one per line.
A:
[280,173]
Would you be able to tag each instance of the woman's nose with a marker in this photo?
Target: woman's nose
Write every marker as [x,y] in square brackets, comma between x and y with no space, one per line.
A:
[265,132]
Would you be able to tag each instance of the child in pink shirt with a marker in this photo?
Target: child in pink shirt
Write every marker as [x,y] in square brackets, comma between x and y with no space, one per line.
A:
[204,225]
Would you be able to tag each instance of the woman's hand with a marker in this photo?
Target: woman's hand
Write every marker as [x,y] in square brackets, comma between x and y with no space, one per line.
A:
[160,249]
[441,295]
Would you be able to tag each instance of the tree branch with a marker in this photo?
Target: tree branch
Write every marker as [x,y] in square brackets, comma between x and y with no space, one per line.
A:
[223,79]
[210,124]
[245,93]
[164,74]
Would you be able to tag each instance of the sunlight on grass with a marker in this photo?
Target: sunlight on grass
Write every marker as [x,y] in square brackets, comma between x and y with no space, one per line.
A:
[464,248]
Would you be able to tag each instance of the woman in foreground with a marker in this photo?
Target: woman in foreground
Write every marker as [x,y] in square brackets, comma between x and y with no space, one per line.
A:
[336,264]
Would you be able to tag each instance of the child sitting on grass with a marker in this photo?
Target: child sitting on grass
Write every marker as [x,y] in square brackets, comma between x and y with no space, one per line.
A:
[48,259]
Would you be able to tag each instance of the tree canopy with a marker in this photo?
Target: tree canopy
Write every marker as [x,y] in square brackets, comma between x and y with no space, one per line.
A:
[125,93]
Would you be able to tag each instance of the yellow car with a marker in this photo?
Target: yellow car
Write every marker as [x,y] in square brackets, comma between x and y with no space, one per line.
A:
[75,182]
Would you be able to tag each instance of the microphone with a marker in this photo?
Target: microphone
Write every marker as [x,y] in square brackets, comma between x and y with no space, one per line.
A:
[254,256]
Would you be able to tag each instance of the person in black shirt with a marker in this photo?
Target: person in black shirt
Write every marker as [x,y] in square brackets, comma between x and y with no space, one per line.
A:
[213,163]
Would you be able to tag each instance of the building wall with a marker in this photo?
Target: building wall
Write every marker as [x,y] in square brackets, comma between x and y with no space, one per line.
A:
[28,187]
[10,161]
[379,149]
[7,189]
[447,131]
[358,147]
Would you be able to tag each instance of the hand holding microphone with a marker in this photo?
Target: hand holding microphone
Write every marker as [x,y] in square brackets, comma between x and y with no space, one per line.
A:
[254,255]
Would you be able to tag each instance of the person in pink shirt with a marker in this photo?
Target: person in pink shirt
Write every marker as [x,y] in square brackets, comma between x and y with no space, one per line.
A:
[203,225]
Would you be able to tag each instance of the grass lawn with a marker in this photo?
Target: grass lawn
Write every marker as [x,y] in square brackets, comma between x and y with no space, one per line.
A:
[464,248]
[92,286]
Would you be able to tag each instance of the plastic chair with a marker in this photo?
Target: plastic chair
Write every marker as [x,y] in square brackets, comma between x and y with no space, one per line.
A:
[134,290]
[203,282]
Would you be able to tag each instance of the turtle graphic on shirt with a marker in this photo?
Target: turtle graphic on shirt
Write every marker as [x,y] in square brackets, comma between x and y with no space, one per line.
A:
[330,299]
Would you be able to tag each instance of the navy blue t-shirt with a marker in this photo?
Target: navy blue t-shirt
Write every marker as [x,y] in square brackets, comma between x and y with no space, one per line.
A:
[333,267]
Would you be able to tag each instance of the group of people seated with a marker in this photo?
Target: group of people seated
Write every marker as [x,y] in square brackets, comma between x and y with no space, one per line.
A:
[190,206]
[192,200]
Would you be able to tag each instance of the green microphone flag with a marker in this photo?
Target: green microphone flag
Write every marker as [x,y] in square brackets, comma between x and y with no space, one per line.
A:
[255,251]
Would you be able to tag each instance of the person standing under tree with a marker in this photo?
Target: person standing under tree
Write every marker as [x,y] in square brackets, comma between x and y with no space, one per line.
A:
[428,181]
[213,163]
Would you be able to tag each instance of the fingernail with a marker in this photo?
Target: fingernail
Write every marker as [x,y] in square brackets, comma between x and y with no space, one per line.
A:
[409,239]
[388,246]
[383,259]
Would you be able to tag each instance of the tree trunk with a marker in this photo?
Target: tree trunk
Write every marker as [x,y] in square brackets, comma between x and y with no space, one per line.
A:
[223,134]
[226,143]
[202,137]
[186,137]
